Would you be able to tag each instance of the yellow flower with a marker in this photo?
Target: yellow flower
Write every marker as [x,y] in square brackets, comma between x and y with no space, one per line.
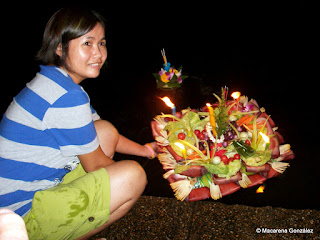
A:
[164,78]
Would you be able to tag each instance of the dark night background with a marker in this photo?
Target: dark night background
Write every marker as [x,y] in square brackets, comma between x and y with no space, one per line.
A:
[262,50]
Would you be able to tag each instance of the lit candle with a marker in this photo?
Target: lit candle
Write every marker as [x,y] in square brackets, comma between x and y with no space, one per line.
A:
[212,119]
[236,97]
[182,148]
[174,110]
[168,102]
[266,139]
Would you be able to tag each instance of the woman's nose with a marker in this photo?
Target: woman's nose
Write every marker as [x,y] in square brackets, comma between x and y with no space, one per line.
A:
[97,52]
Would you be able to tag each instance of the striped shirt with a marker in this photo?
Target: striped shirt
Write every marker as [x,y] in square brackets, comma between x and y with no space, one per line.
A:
[46,126]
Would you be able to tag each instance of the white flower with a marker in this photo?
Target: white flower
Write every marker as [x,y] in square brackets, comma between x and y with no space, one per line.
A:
[178,74]
[161,122]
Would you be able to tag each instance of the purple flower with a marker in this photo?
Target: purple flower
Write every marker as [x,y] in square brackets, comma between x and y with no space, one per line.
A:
[162,71]
[170,75]
[247,108]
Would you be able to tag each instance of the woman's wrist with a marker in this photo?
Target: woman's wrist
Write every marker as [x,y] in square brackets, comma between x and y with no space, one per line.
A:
[151,154]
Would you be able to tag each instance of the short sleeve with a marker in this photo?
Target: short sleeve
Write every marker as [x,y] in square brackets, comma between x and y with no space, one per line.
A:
[70,122]
[95,115]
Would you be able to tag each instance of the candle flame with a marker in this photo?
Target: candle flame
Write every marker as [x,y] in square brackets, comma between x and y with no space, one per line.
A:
[208,104]
[265,137]
[168,102]
[180,145]
[182,148]
[235,95]
[260,189]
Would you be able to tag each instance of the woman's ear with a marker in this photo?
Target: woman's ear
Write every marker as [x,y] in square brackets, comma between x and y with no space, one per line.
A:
[59,50]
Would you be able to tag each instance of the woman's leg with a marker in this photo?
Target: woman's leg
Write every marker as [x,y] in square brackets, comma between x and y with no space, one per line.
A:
[127,183]
[132,179]
[127,178]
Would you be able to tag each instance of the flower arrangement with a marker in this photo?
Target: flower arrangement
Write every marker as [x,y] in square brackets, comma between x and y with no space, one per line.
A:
[169,77]
[219,149]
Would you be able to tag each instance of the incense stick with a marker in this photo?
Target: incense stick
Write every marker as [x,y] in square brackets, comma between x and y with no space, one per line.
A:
[163,53]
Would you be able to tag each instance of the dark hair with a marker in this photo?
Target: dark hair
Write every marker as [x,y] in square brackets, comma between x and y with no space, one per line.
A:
[65,25]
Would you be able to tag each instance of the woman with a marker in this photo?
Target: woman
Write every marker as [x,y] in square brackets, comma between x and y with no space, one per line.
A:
[50,127]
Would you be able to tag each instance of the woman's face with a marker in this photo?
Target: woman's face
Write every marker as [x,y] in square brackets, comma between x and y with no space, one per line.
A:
[86,55]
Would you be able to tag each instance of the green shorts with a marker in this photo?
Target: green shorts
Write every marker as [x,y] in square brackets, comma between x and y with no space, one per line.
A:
[78,205]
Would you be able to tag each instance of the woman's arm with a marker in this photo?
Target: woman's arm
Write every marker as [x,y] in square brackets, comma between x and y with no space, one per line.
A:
[127,146]
[95,160]
[110,142]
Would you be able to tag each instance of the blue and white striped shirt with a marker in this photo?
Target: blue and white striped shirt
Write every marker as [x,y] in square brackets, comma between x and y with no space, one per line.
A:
[46,126]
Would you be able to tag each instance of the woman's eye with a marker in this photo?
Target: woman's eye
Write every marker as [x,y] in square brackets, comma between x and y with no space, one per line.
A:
[87,43]
[102,44]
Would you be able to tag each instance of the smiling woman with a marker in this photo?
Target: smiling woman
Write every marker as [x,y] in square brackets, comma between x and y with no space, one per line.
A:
[70,187]
[90,52]
[83,33]
[73,23]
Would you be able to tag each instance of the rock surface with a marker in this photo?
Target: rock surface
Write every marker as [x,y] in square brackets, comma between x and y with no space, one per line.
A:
[167,218]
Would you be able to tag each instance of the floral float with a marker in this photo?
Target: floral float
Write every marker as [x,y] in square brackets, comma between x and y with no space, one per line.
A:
[224,146]
[169,77]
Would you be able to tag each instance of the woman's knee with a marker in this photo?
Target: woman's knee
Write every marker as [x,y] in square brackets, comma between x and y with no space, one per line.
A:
[128,175]
[135,173]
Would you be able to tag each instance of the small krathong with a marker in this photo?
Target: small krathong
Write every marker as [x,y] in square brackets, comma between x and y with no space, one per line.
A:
[169,77]
[205,157]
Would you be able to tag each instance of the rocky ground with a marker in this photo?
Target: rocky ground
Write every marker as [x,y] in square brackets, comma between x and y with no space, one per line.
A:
[168,218]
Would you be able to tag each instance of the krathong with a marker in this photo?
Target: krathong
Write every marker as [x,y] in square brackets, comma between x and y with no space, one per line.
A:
[205,157]
[169,77]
